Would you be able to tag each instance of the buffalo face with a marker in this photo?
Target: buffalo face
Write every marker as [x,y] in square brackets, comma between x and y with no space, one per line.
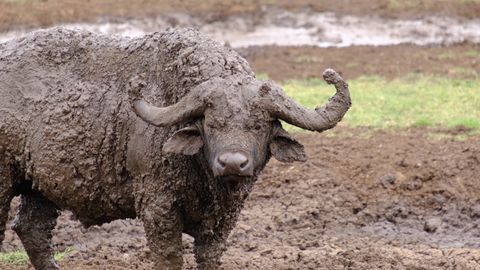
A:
[234,124]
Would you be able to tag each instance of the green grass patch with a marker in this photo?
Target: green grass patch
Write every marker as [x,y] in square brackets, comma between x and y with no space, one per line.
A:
[20,257]
[262,76]
[405,102]
[306,59]
[60,256]
[446,55]
[14,257]
[402,4]
[472,53]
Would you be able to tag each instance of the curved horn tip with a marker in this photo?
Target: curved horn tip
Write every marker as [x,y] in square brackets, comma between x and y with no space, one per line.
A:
[138,105]
[142,109]
[331,76]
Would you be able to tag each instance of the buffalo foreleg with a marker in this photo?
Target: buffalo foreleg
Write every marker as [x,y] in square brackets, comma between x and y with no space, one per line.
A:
[34,223]
[163,229]
[210,241]
[6,195]
[208,251]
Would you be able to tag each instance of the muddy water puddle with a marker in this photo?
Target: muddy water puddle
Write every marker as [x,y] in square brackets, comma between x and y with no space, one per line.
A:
[283,28]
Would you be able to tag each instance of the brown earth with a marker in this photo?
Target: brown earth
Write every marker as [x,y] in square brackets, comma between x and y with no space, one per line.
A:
[28,13]
[283,63]
[364,200]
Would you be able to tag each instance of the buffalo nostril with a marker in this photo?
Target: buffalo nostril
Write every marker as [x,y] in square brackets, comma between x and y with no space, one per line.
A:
[233,163]
[244,164]
[221,162]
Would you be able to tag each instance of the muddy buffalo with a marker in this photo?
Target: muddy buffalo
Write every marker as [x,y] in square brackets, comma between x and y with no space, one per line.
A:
[78,131]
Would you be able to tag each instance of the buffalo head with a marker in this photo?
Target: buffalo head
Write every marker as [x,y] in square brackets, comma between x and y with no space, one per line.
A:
[234,122]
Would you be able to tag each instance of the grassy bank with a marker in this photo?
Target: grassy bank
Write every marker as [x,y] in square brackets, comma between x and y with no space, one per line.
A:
[404,102]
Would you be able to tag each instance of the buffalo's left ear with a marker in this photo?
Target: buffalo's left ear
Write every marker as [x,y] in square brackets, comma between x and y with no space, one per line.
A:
[187,141]
[285,148]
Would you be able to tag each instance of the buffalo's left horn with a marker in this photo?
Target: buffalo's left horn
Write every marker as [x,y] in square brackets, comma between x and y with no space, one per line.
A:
[322,118]
[188,107]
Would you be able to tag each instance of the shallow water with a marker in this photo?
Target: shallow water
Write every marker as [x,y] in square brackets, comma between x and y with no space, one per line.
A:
[296,29]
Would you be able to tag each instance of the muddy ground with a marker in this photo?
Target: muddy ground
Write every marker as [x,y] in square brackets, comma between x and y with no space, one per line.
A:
[401,199]
[28,13]
[364,200]
[460,61]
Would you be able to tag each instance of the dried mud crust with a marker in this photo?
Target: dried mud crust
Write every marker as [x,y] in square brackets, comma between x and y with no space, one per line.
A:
[29,13]
[364,200]
[282,63]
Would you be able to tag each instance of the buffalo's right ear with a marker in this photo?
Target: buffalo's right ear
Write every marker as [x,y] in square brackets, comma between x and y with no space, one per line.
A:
[187,141]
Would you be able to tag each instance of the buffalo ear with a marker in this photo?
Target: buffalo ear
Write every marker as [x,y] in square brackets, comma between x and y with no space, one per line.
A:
[187,141]
[285,148]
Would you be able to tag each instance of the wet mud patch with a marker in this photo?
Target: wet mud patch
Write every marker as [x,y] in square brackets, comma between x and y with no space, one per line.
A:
[35,13]
[395,199]
[285,28]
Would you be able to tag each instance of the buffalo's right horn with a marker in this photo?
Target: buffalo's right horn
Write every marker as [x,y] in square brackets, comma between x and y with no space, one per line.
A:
[322,118]
[188,107]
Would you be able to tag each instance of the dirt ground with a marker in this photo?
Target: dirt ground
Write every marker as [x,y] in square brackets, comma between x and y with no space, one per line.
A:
[282,63]
[27,13]
[400,199]
[376,200]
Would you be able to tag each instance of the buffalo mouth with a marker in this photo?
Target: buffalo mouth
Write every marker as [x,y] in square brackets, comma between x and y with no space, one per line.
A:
[233,178]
